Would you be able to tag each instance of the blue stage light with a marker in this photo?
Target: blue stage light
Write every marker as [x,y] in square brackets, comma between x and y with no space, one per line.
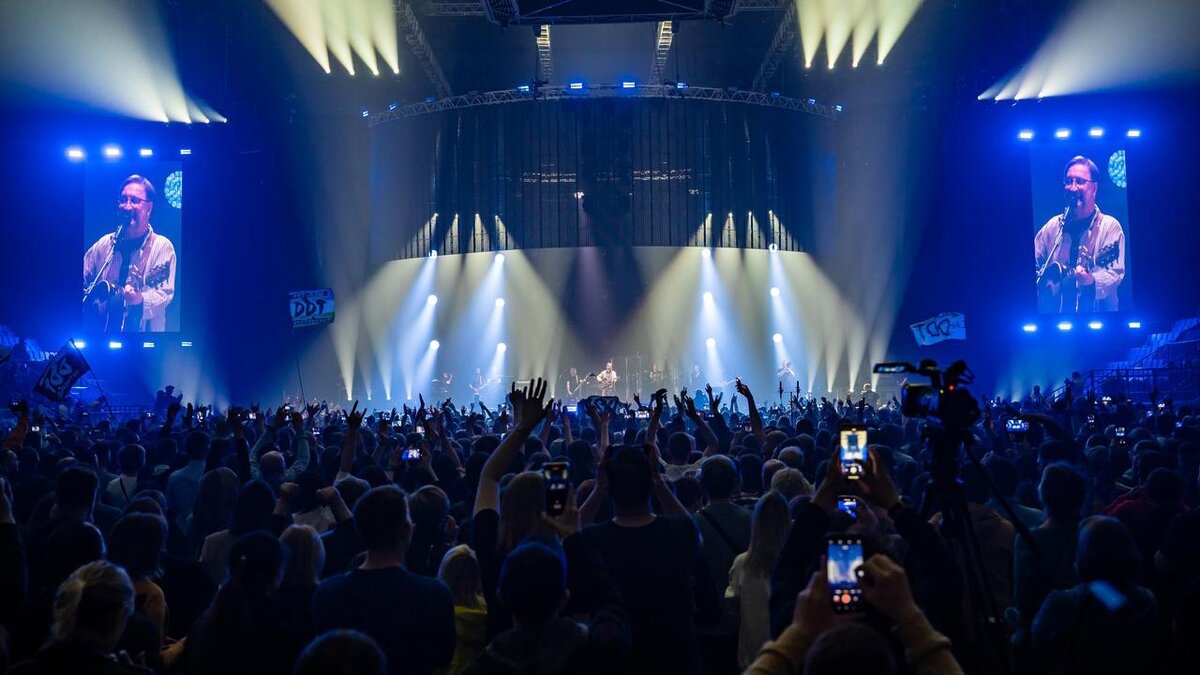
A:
[113,344]
[79,344]
[184,152]
[1029,328]
[777,338]
[112,152]
[1065,325]
[185,343]
[1134,133]
[76,153]
[1096,132]
[1095,325]
[145,152]
[1025,135]
[365,113]
[1135,324]
[628,84]
[434,344]
[681,85]
[393,105]
[524,88]
[1062,133]
[576,86]
[147,345]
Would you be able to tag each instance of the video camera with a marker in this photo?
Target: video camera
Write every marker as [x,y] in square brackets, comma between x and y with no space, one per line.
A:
[945,399]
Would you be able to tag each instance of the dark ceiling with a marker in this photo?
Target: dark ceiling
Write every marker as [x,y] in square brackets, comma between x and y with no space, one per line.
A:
[239,57]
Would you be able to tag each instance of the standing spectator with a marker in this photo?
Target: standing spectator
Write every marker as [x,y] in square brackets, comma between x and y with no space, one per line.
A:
[750,576]
[416,640]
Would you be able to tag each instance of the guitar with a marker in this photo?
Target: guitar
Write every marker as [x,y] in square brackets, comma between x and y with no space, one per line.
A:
[477,389]
[106,299]
[1059,280]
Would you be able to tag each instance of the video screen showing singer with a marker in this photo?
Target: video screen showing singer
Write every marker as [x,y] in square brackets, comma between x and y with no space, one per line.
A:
[129,273]
[1080,252]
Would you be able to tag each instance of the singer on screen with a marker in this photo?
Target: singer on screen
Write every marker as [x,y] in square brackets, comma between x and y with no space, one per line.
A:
[1080,252]
[129,273]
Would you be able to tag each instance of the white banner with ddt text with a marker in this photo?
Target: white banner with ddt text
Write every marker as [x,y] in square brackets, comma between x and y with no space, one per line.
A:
[944,326]
[311,308]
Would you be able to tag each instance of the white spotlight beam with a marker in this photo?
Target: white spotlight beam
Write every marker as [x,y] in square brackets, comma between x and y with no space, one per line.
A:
[305,22]
[664,37]
[892,23]
[415,37]
[545,62]
[781,45]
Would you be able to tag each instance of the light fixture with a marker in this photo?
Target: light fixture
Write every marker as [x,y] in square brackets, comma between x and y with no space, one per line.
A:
[1025,135]
[1029,328]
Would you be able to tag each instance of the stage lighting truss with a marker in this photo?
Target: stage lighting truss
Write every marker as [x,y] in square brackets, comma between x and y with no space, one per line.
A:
[662,49]
[783,42]
[460,8]
[558,93]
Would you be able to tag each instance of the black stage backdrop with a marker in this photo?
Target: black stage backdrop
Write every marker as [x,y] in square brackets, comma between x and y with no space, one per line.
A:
[650,171]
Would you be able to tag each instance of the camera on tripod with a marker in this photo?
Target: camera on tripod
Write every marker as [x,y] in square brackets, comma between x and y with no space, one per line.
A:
[945,399]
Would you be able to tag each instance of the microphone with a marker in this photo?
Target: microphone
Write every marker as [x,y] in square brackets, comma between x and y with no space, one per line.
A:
[1065,214]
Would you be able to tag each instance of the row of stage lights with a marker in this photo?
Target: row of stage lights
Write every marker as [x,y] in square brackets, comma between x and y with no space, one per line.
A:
[111,152]
[1063,134]
[580,86]
[1067,326]
[119,344]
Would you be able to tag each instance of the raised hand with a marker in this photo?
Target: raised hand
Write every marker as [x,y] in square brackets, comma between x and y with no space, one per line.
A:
[173,409]
[885,586]
[687,404]
[297,422]
[814,612]
[280,417]
[529,408]
[877,482]
[355,418]
[658,401]
[744,390]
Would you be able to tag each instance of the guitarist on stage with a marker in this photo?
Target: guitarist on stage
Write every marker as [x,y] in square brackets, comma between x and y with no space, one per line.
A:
[138,284]
[1080,253]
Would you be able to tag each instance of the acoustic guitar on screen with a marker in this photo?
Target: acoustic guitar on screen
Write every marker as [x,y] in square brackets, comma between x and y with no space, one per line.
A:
[1059,281]
[110,313]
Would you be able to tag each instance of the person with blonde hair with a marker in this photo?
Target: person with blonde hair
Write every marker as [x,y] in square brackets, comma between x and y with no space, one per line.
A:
[460,572]
[749,589]
[304,558]
[501,522]
[91,609]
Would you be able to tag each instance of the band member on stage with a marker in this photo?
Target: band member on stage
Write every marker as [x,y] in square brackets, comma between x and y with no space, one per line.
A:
[1080,253]
[141,273]
[607,379]
[869,395]
[786,375]
[442,384]
[657,376]
[477,383]
[697,377]
[574,384]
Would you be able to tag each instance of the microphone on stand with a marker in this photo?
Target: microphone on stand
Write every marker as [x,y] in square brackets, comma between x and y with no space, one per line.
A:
[1065,214]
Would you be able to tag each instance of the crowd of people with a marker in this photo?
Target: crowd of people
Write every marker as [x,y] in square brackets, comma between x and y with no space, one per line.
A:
[313,539]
